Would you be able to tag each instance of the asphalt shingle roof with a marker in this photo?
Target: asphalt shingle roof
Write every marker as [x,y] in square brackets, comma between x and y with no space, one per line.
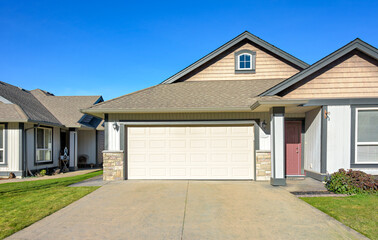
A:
[199,94]
[67,108]
[31,107]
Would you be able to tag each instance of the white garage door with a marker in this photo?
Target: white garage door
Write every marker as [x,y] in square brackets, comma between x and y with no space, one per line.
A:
[216,152]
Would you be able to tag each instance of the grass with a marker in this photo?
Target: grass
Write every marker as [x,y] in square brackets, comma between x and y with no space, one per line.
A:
[23,203]
[359,212]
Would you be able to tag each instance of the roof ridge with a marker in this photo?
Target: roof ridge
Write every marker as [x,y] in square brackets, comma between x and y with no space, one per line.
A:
[111,100]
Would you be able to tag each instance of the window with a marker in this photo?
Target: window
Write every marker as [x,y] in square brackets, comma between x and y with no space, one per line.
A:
[245,61]
[44,145]
[366,135]
[2,144]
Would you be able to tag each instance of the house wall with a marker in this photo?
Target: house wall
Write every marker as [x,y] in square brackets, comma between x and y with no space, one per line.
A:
[13,149]
[87,145]
[264,135]
[100,145]
[352,76]
[30,149]
[338,138]
[312,149]
[268,66]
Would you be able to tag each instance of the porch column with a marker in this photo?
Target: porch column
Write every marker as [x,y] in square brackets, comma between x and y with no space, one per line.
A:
[73,149]
[277,124]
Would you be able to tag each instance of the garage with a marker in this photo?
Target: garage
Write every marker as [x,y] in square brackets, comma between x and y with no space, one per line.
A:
[190,152]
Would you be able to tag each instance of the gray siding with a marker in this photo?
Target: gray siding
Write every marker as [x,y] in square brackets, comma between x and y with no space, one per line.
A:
[338,138]
[31,150]
[86,141]
[312,141]
[13,148]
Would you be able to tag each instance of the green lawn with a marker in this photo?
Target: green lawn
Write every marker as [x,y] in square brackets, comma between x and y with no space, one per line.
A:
[24,203]
[359,212]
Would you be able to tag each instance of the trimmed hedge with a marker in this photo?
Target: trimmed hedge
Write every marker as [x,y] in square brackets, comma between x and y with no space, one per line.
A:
[351,182]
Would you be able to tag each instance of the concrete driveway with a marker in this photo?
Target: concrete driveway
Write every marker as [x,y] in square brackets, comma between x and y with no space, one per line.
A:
[188,210]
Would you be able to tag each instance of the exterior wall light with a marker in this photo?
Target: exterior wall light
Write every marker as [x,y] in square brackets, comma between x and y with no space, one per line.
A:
[115,126]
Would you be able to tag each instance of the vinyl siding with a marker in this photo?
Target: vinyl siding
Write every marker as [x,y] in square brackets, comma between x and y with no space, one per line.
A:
[338,138]
[87,145]
[13,148]
[354,76]
[267,67]
[31,150]
[312,141]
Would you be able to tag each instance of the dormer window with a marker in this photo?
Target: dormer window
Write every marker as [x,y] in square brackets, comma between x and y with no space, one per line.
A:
[245,61]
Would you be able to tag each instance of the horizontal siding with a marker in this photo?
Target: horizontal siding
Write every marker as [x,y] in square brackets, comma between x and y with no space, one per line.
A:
[353,77]
[267,67]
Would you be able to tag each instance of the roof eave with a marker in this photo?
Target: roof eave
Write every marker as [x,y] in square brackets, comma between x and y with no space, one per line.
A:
[166,110]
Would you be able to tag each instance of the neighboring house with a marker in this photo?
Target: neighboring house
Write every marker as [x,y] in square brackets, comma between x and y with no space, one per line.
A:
[248,110]
[36,126]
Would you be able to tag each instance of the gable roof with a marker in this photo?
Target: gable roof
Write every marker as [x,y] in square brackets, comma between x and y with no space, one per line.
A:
[67,108]
[27,106]
[356,44]
[235,95]
[245,35]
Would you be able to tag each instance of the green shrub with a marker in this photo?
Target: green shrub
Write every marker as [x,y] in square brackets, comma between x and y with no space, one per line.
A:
[42,172]
[351,182]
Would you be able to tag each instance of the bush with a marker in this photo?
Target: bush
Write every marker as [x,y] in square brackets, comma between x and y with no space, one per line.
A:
[351,182]
[42,172]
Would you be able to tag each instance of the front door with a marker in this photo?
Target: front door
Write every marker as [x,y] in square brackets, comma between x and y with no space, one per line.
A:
[293,147]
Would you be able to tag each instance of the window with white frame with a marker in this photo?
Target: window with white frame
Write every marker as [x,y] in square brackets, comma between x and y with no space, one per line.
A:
[245,61]
[44,145]
[2,144]
[366,135]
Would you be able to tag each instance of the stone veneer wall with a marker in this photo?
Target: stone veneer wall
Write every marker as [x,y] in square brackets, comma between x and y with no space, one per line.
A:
[113,166]
[263,165]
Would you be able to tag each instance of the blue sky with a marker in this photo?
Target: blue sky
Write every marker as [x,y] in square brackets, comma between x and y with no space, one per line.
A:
[112,48]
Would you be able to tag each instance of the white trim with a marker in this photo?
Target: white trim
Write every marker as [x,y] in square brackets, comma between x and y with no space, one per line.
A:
[2,128]
[43,149]
[250,61]
[185,123]
[362,143]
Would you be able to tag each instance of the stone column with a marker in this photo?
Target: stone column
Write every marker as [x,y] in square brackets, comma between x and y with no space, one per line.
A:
[278,146]
[114,165]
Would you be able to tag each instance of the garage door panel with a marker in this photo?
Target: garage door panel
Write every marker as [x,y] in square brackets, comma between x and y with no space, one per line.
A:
[190,152]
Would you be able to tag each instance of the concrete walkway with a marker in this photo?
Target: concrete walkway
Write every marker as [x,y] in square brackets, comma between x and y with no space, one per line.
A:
[188,210]
[61,175]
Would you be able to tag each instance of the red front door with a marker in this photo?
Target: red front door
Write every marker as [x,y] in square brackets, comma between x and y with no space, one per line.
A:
[293,147]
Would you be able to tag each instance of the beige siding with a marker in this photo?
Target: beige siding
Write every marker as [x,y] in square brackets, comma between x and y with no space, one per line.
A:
[13,148]
[86,141]
[356,76]
[267,67]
